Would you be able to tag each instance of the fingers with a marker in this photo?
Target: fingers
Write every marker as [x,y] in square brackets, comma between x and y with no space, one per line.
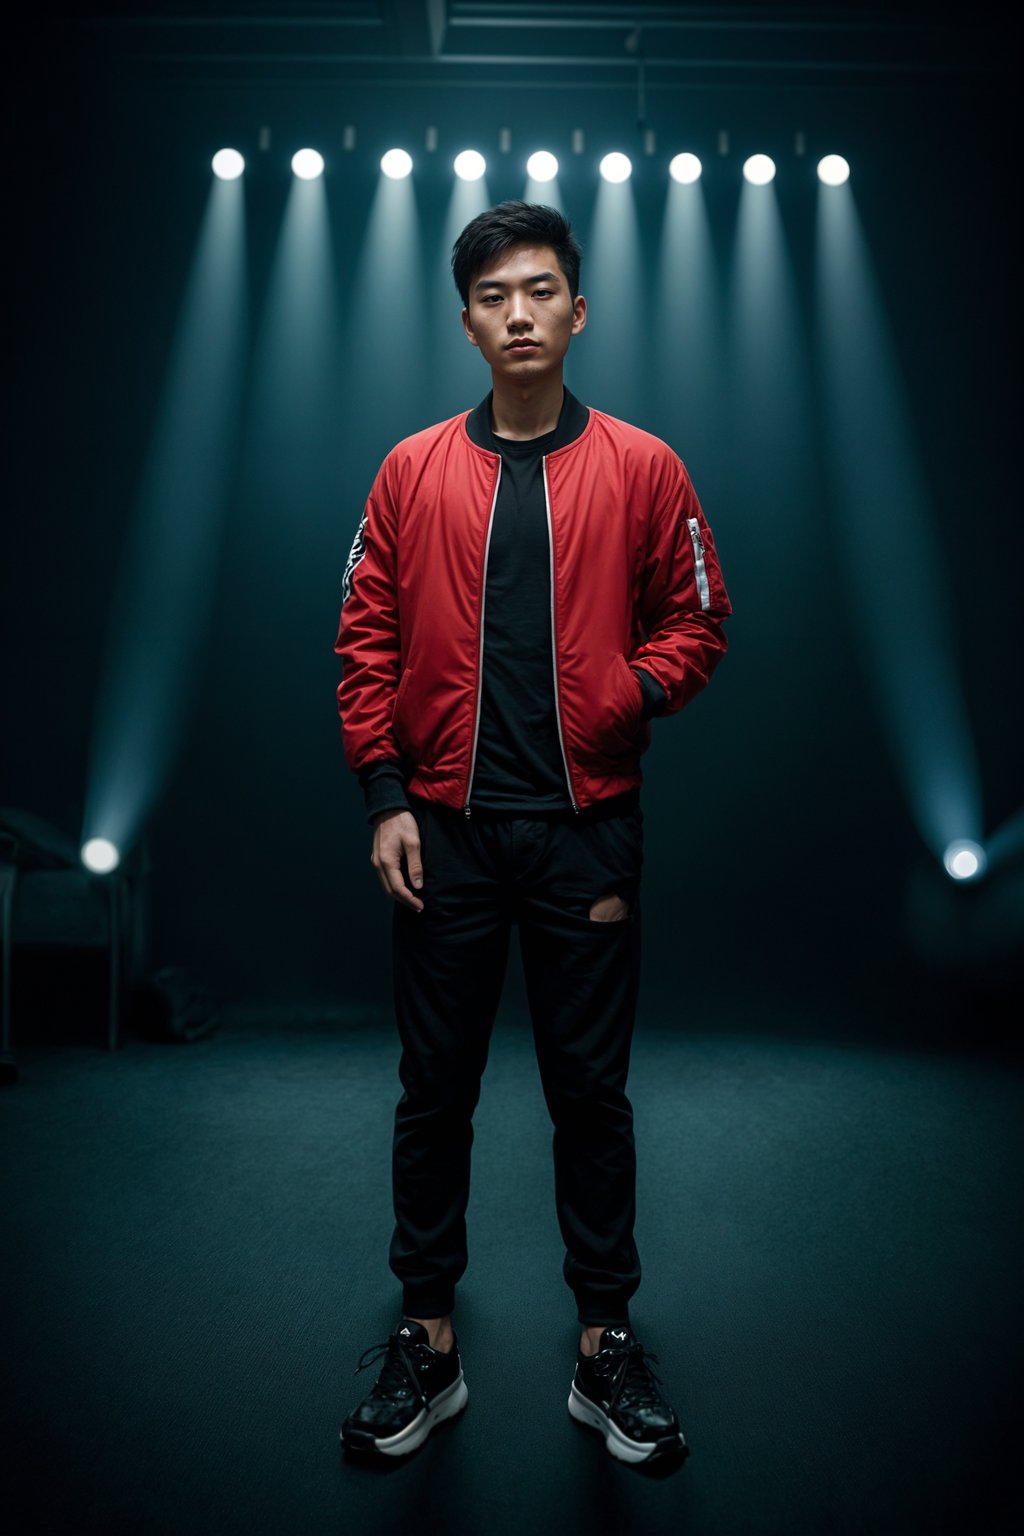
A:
[413,862]
[389,871]
[395,836]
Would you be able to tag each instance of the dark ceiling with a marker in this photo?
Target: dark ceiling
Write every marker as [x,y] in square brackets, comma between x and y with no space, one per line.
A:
[429,41]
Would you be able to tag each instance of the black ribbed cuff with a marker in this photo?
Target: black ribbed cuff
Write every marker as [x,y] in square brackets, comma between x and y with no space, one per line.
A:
[383,786]
[654,694]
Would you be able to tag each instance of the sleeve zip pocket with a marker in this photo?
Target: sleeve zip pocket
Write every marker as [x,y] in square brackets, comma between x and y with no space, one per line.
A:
[698,562]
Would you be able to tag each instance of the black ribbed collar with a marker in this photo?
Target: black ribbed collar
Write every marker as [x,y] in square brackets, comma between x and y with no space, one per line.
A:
[572,421]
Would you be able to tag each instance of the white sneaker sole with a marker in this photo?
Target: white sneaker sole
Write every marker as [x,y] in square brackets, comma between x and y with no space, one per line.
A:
[447,1403]
[620,1445]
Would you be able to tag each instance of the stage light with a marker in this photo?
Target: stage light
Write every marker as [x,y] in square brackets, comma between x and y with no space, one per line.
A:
[228,164]
[759,170]
[470,165]
[100,856]
[964,860]
[833,170]
[684,168]
[308,164]
[616,167]
[542,166]
[396,163]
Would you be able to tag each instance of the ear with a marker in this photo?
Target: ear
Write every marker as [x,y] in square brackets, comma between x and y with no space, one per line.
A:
[579,315]
[468,328]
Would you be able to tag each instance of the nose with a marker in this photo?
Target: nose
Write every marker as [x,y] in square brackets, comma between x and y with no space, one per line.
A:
[519,315]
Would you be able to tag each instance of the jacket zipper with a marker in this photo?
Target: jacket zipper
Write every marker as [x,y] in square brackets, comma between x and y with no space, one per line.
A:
[698,562]
[554,662]
[480,662]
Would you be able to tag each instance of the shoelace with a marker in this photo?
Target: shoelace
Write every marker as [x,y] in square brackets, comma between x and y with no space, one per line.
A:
[397,1370]
[634,1379]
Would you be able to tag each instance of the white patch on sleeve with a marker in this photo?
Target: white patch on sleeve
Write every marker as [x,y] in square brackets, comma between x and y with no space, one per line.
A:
[355,554]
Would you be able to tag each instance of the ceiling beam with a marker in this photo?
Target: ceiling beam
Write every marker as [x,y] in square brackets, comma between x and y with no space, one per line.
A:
[415,28]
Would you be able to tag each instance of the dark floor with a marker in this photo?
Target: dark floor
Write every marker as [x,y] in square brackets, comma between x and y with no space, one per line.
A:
[195,1242]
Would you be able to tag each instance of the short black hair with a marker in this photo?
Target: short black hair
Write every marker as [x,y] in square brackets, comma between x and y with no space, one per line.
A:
[498,229]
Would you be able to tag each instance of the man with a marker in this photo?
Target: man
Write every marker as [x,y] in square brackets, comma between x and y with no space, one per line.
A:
[530,583]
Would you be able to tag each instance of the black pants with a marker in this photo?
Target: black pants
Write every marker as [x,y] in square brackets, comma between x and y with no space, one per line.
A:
[544,872]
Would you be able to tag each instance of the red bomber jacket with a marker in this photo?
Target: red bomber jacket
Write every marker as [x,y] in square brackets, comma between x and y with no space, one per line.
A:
[635,583]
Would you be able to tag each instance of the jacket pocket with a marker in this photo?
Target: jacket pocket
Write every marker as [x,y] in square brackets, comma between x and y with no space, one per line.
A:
[633,704]
[610,733]
[617,725]
[396,715]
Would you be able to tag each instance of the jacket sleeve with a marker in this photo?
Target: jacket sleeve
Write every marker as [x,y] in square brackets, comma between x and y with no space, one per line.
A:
[368,636]
[683,600]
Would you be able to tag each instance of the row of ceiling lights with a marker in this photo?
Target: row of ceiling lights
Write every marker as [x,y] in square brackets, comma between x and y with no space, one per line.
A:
[470,165]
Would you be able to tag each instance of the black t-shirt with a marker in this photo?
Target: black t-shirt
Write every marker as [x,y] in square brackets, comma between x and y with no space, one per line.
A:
[519,764]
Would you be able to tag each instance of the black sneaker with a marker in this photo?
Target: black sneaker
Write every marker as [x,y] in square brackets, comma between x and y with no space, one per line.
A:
[614,1392]
[416,1389]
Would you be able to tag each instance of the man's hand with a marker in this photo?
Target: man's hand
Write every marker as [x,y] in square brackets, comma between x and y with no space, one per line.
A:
[397,834]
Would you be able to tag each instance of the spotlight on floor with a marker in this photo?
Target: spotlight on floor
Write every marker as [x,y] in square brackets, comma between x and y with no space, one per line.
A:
[684,168]
[759,170]
[833,170]
[470,165]
[964,860]
[542,166]
[396,163]
[100,856]
[228,164]
[308,164]
[616,167]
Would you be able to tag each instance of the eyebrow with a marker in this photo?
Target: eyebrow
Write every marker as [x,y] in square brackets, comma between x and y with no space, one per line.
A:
[538,277]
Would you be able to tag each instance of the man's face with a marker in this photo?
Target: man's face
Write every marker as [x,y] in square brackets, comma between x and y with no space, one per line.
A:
[520,313]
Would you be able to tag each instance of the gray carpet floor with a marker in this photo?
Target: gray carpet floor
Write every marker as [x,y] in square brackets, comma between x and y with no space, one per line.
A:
[195,1256]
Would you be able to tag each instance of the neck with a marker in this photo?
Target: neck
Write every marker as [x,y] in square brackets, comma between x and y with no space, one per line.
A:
[526,410]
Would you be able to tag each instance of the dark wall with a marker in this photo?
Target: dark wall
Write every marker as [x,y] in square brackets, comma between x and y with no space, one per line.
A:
[781,852]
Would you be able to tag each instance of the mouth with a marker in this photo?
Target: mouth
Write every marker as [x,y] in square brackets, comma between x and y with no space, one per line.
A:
[521,346]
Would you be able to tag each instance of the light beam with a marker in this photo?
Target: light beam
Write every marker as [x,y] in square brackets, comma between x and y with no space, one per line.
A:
[900,588]
[160,608]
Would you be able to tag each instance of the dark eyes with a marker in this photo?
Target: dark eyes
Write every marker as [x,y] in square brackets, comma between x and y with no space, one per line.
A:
[538,293]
